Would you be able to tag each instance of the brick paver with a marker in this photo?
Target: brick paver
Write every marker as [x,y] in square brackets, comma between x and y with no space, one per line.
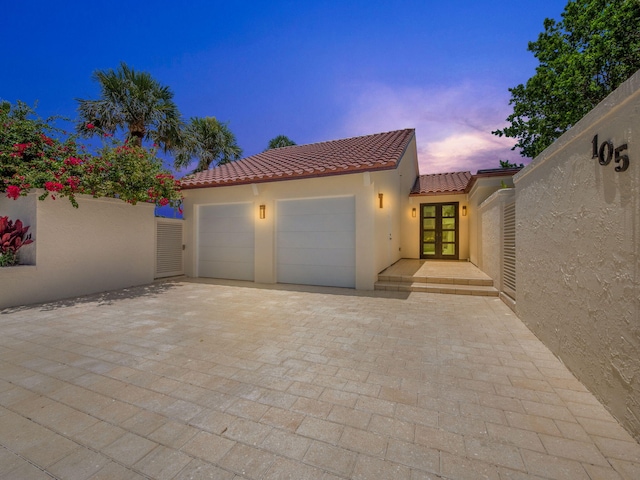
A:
[227,380]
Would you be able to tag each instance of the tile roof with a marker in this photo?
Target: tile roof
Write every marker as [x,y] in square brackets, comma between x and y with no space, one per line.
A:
[381,151]
[441,183]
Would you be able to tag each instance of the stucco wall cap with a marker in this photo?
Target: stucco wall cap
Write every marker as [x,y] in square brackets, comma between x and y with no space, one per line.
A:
[502,195]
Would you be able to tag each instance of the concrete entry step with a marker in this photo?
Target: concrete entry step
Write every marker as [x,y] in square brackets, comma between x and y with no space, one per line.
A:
[460,278]
[487,282]
[427,287]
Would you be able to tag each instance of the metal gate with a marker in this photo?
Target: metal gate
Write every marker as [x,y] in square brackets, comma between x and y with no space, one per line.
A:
[169,247]
[509,250]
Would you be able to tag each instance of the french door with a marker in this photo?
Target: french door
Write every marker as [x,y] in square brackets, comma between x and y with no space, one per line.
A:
[439,231]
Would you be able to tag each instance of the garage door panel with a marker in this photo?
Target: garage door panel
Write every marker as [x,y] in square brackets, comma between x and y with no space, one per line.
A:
[316,239]
[224,254]
[226,241]
[311,206]
[224,211]
[334,222]
[317,257]
[325,276]
[228,270]
[231,224]
[223,239]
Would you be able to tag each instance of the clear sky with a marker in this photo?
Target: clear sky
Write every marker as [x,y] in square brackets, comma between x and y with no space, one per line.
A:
[313,71]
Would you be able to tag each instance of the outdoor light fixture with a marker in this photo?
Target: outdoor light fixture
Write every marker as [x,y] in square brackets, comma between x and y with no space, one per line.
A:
[262,211]
[464,210]
[380,198]
[413,212]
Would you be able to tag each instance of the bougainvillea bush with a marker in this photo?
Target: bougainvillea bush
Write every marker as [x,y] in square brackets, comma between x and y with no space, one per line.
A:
[33,154]
[133,174]
[13,236]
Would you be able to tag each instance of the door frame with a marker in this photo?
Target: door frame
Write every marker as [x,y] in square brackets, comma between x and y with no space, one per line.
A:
[438,243]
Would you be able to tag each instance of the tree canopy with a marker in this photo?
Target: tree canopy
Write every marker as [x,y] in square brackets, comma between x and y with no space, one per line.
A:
[280,141]
[583,58]
[207,140]
[144,109]
[132,101]
[507,164]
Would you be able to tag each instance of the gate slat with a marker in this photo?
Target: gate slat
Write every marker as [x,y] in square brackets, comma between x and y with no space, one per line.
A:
[169,256]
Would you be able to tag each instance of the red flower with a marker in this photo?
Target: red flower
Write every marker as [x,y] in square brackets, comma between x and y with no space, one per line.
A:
[13,192]
[53,186]
[164,202]
[73,182]
[73,161]
[46,139]
[21,147]
[90,126]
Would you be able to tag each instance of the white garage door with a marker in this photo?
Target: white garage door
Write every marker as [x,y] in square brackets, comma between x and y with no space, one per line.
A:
[316,241]
[226,241]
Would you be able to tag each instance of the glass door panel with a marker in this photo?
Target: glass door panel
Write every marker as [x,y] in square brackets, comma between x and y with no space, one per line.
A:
[449,211]
[429,222]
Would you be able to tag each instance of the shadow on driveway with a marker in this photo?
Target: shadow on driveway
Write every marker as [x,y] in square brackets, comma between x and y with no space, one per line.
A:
[290,287]
[105,298]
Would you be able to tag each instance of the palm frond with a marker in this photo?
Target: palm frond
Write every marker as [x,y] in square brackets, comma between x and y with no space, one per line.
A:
[208,141]
[134,102]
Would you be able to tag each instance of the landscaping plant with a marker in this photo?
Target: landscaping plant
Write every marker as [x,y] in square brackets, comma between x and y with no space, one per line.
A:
[34,155]
[13,236]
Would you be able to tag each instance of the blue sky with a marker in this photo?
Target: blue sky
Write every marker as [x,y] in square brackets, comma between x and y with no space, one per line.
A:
[313,71]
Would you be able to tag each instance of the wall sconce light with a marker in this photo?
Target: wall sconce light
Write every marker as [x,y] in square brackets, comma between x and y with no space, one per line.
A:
[464,210]
[380,199]
[262,211]
[413,212]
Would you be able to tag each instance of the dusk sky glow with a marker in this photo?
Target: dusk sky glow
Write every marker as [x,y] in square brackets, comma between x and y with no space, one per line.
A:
[314,71]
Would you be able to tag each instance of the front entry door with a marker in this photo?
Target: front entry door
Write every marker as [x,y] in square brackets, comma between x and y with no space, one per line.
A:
[439,231]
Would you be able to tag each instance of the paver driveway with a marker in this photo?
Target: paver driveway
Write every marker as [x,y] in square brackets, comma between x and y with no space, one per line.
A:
[211,380]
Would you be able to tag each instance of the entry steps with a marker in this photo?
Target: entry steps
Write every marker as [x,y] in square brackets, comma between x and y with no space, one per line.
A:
[440,284]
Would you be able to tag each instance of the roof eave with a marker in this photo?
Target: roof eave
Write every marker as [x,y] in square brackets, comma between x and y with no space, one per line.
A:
[434,194]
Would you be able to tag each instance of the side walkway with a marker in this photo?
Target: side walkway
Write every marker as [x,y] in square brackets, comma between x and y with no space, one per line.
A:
[186,380]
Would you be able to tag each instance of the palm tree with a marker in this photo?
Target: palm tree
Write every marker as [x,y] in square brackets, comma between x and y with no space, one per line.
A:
[133,101]
[280,141]
[207,140]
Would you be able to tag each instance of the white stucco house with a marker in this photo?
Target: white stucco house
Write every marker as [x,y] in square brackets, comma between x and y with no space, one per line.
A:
[333,213]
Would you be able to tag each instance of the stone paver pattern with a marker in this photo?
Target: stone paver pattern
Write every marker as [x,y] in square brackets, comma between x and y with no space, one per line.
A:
[222,380]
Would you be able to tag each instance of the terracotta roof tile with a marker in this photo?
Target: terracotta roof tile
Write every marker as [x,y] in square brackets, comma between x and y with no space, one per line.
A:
[381,151]
[441,183]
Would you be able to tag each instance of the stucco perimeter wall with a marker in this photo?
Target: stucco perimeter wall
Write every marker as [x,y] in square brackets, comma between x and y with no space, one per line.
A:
[578,253]
[489,227]
[481,190]
[105,244]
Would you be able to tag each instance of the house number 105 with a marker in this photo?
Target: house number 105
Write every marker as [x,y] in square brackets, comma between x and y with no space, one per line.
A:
[607,152]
